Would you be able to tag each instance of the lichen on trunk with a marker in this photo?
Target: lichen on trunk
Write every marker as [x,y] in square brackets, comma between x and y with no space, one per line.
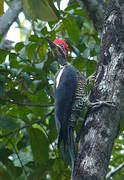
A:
[102,125]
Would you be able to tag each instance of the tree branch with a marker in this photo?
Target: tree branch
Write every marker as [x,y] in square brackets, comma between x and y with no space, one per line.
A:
[18,157]
[10,16]
[111,173]
[101,126]
[27,104]
[95,9]
[26,126]
[31,105]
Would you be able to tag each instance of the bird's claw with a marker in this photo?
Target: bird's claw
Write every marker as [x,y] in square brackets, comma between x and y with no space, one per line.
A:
[107,103]
[99,103]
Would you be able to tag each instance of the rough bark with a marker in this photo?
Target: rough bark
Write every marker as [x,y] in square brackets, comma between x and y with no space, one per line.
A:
[10,16]
[95,10]
[101,126]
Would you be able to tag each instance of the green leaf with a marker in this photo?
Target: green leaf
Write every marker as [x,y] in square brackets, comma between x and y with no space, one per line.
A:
[3,54]
[71,6]
[80,12]
[122,122]
[4,153]
[37,85]
[0,38]
[30,49]
[58,3]
[34,38]
[44,31]
[75,49]
[42,50]
[26,78]
[1,7]
[39,145]
[41,97]
[13,60]
[4,175]
[2,88]
[91,67]
[43,9]
[39,66]
[19,46]
[13,171]
[15,95]
[86,53]
[79,63]
[72,29]
[25,156]
[7,122]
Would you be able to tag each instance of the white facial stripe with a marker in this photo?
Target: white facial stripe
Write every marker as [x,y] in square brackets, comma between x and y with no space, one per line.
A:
[61,49]
[58,77]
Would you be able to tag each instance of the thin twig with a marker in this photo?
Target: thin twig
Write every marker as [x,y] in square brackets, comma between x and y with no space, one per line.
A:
[27,104]
[18,157]
[33,27]
[26,126]
[31,105]
[111,173]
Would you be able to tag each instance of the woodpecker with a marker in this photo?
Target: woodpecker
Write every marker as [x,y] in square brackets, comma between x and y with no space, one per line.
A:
[70,88]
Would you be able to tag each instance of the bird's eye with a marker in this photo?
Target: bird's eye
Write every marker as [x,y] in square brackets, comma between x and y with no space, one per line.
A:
[61,49]
[62,45]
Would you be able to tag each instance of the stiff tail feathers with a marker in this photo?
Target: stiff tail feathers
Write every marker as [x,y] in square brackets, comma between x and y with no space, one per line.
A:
[68,144]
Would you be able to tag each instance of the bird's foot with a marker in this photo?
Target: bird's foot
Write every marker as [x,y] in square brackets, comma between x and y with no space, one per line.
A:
[99,103]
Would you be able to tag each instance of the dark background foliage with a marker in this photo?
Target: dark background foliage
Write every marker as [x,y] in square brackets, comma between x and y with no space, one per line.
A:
[27,127]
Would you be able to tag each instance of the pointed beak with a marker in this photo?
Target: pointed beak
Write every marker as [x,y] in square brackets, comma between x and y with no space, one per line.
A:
[54,48]
[51,44]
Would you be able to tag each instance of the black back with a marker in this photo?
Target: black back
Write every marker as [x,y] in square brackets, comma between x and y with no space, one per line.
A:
[64,99]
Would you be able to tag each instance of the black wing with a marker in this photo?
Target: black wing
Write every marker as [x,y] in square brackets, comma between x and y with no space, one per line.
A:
[64,91]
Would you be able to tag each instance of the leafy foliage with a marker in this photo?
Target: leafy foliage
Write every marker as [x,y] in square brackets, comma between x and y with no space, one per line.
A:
[27,128]
[44,10]
[1,7]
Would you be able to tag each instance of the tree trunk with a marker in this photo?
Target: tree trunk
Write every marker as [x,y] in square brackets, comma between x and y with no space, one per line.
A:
[95,9]
[102,125]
